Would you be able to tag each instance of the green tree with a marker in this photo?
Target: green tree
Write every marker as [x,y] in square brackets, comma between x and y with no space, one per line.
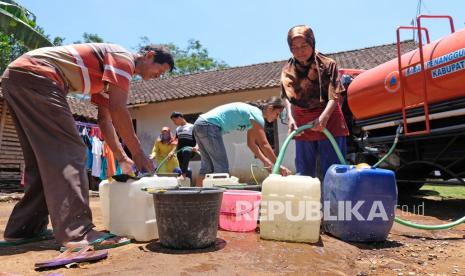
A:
[17,21]
[90,38]
[10,49]
[19,32]
[194,58]
[58,41]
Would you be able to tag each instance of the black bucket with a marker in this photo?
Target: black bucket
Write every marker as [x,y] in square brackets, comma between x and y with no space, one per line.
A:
[187,218]
[257,188]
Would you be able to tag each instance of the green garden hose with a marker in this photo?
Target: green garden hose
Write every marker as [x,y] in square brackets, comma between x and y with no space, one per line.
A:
[167,157]
[253,174]
[429,227]
[330,137]
[391,150]
[280,157]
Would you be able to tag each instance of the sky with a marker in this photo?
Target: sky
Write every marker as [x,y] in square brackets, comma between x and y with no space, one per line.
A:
[242,32]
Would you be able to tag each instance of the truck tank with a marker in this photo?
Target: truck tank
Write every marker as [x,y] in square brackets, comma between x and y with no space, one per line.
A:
[433,150]
[377,91]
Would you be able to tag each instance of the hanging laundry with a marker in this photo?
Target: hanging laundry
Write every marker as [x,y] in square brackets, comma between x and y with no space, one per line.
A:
[100,158]
[118,168]
[97,150]
[87,140]
[103,172]
[111,167]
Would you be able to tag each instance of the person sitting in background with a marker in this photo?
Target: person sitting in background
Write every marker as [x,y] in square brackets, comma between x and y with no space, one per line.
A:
[164,149]
[210,127]
[185,138]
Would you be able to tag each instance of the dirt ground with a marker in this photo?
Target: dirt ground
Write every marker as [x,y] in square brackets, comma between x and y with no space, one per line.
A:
[406,252]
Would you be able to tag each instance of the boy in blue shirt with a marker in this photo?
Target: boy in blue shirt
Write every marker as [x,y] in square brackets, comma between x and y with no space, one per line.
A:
[210,127]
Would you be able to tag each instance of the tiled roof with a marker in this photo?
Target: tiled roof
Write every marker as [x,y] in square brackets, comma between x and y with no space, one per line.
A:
[82,107]
[78,107]
[256,76]
[370,57]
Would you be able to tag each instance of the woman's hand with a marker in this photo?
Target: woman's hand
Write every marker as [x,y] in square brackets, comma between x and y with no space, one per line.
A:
[268,167]
[292,125]
[320,123]
[284,171]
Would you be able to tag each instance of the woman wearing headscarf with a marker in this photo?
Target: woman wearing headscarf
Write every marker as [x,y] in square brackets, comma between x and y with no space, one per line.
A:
[164,147]
[311,89]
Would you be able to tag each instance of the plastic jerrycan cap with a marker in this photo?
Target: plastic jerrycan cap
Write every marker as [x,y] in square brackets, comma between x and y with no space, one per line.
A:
[341,169]
[362,166]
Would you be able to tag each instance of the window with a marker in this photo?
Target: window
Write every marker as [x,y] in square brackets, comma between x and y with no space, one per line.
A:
[134,125]
[190,118]
[271,131]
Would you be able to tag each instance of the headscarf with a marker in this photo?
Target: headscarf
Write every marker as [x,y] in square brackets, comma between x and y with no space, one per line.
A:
[166,137]
[296,85]
[301,31]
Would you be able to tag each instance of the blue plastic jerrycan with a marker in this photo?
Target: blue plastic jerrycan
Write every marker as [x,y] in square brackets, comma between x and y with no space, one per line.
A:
[359,202]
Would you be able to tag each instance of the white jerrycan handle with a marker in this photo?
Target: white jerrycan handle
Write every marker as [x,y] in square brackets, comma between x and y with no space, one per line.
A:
[217,175]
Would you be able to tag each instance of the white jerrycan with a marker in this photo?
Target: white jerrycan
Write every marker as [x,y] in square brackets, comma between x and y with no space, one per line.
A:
[219,179]
[290,208]
[186,182]
[129,211]
[104,196]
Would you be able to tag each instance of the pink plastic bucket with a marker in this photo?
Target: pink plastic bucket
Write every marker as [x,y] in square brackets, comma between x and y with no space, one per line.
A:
[239,210]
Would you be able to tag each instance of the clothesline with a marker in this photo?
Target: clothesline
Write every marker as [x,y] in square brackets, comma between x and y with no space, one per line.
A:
[94,129]
[86,124]
[100,158]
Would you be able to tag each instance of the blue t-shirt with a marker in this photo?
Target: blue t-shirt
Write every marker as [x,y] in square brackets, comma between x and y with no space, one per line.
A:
[234,116]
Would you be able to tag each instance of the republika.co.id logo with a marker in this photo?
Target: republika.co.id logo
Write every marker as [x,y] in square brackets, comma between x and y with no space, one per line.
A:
[308,210]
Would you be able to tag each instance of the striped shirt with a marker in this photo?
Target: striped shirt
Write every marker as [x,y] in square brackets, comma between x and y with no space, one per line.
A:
[185,136]
[82,68]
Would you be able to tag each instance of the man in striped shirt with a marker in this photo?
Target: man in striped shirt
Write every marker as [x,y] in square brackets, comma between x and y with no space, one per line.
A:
[35,87]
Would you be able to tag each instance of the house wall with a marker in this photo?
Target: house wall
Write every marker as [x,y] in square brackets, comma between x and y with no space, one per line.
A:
[152,117]
[11,157]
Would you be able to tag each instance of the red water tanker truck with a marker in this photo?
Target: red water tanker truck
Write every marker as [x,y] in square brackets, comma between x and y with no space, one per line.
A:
[422,90]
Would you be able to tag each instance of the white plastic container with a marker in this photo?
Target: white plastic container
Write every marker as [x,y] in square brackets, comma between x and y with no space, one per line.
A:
[104,195]
[129,211]
[186,182]
[290,208]
[219,179]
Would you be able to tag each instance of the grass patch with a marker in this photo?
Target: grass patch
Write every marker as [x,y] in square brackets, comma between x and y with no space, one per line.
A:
[451,191]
